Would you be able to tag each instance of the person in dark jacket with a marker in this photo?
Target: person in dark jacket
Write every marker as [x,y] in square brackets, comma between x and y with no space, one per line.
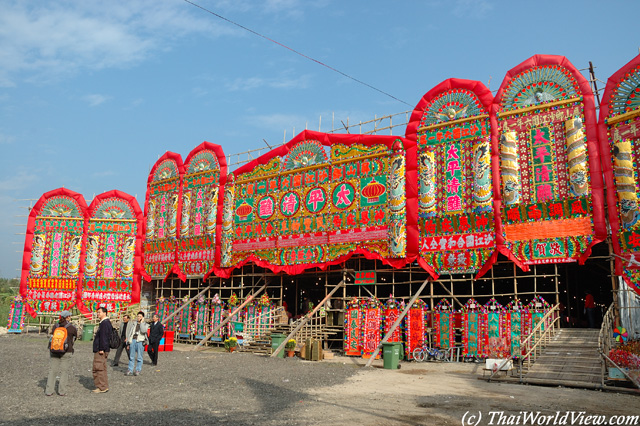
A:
[59,363]
[157,330]
[101,352]
[123,340]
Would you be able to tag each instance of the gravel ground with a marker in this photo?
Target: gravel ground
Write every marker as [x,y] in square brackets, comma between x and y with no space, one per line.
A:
[187,387]
[215,387]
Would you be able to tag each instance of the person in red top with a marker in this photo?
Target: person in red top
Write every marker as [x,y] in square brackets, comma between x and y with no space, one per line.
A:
[590,309]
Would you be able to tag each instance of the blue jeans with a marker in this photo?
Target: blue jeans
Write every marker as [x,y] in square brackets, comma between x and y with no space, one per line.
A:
[136,348]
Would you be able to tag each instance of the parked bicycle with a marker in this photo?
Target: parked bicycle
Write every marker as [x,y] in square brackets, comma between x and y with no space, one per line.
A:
[424,352]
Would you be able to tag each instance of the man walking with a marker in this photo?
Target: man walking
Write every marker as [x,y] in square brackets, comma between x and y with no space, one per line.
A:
[136,339]
[123,341]
[157,330]
[60,354]
[101,352]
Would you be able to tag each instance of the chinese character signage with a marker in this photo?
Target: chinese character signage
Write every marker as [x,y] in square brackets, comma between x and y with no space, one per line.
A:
[162,211]
[201,211]
[620,142]
[53,254]
[455,195]
[365,277]
[318,200]
[550,186]
[113,255]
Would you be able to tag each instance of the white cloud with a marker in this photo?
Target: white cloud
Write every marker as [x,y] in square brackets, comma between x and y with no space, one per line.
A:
[47,39]
[280,122]
[96,99]
[6,139]
[283,82]
[472,8]
[103,174]
[18,181]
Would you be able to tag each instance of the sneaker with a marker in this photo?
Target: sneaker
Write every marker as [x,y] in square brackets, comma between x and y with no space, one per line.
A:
[128,373]
[137,373]
[114,365]
[62,394]
[48,394]
[98,390]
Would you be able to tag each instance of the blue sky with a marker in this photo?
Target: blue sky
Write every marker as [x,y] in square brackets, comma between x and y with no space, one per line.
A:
[92,93]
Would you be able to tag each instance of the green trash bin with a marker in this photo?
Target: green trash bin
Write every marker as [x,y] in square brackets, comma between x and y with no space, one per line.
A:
[391,353]
[87,332]
[276,340]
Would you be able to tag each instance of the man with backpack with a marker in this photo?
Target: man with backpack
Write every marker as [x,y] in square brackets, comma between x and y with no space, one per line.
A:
[123,341]
[101,348]
[61,353]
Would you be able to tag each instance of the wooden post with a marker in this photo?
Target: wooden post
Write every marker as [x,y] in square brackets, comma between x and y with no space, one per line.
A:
[306,318]
[231,315]
[398,321]
[165,320]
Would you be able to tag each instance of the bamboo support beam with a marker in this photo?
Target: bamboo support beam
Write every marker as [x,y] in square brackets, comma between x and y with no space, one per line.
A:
[398,321]
[165,320]
[306,318]
[231,315]
[450,294]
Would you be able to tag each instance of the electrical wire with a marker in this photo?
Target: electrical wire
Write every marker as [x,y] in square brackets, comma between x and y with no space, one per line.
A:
[295,51]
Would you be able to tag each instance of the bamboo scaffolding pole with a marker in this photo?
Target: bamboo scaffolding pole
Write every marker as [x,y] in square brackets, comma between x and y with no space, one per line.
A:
[231,315]
[164,321]
[306,318]
[398,321]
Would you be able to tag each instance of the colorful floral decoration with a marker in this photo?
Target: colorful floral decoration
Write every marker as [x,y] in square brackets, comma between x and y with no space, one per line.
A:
[391,314]
[451,125]
[443,325]
[217,316]
[113,255]
[620,144]
[297,207]
[550,191]
[233,299]
[202,312]
[162,209]
[415,327]
[625,357]
[371,327]
[201,212]
[15,321]
[183,322]
[496,325]
[352,329]
[264,300]
[538,307]
[166,307]
[52,260]
[518,316]
[473,325]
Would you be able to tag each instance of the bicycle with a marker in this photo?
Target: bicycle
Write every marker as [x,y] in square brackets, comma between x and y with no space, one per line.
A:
[422,352]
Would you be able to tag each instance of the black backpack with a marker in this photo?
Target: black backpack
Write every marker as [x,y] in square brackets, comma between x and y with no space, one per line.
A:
[114,340]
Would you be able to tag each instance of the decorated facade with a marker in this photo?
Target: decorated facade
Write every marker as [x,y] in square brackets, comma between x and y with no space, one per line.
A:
[455,197]
[475,175]
[205,172]
[162,210]
[320,199]
[620,144]
[53,254]
[113,254]
[548,186]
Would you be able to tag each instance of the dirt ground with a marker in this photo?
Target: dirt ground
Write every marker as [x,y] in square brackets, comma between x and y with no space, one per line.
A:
[214,387]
